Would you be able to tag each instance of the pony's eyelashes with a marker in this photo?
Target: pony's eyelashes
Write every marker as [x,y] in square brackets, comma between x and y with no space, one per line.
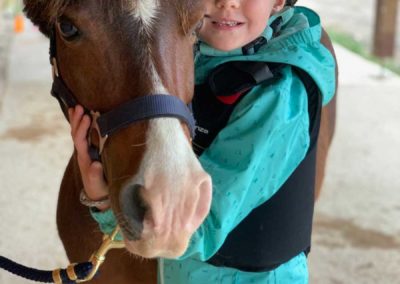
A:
[68,30]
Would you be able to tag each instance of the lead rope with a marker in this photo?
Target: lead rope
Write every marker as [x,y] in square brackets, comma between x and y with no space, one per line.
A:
[74,273]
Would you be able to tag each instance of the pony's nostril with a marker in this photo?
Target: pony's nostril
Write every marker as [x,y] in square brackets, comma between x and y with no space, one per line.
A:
[133,210]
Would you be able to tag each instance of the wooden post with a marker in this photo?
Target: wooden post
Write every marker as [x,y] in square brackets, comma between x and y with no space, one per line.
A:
[385,28]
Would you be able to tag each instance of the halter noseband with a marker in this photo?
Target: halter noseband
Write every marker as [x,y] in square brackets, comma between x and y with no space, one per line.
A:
[139,109]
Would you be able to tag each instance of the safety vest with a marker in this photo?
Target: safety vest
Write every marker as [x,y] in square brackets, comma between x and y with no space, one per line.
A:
[280,228]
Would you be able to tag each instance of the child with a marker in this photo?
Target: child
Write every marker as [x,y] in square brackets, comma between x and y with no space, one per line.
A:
[259,226]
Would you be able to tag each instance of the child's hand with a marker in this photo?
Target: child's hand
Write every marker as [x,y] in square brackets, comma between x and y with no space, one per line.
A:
[94,184]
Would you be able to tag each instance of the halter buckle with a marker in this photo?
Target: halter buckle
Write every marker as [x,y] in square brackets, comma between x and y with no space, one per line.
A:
[95,126]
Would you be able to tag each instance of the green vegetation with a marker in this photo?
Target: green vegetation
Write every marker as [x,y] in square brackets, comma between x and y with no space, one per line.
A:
[13,6]
[348,41]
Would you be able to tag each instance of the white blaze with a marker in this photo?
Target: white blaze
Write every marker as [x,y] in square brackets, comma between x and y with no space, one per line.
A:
[146,12]
[168,150]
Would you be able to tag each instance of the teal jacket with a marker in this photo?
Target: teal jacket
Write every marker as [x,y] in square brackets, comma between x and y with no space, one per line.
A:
[264,141]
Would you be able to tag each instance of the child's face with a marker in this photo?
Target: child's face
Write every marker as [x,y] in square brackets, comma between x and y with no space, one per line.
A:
[230,24]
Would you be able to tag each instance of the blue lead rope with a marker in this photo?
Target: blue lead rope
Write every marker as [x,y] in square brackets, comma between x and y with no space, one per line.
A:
[74,273]
[80,270]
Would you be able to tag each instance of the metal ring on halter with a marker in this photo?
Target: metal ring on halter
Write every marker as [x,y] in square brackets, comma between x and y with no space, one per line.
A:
[85,200]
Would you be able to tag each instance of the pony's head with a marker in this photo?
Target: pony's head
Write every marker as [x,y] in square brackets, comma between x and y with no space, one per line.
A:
[110,52]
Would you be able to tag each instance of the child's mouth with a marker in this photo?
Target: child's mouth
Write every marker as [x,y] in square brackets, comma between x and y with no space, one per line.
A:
[228,24]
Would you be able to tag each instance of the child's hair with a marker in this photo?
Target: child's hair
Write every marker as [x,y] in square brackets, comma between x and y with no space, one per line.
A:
[290,2]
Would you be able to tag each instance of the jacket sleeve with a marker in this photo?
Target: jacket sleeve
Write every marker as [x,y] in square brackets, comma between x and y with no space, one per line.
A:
[265,140]
[106,220]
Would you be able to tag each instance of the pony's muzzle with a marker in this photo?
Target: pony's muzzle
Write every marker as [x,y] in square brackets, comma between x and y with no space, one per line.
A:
[158,220]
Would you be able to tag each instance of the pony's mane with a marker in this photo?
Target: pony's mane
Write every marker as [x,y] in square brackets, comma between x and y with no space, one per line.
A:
[44,13]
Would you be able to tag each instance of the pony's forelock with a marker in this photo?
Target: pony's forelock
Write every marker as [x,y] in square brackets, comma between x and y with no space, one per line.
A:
[44,13]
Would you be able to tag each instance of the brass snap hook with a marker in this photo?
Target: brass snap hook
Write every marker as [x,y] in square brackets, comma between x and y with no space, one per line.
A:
[97,259]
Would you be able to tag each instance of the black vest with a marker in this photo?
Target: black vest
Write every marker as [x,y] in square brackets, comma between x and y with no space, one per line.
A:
[279,229]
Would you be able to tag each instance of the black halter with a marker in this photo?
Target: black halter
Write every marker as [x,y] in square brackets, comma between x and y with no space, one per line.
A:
[139,109]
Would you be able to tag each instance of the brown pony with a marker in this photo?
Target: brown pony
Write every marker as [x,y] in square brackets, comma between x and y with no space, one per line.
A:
[110,52]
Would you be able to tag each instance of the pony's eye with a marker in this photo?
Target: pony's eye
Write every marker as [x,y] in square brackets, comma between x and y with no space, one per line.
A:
[68,30]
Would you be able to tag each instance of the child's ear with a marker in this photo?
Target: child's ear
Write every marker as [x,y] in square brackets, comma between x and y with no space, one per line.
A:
[279,4]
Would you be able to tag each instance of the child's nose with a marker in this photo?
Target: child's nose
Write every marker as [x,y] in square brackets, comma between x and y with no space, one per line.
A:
[228,3]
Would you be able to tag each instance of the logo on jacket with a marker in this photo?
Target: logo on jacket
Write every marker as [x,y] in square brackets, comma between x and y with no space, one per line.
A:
[202,130]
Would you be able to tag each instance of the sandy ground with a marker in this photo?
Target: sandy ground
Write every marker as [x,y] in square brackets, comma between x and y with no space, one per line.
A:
[34,147]
[357,221]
